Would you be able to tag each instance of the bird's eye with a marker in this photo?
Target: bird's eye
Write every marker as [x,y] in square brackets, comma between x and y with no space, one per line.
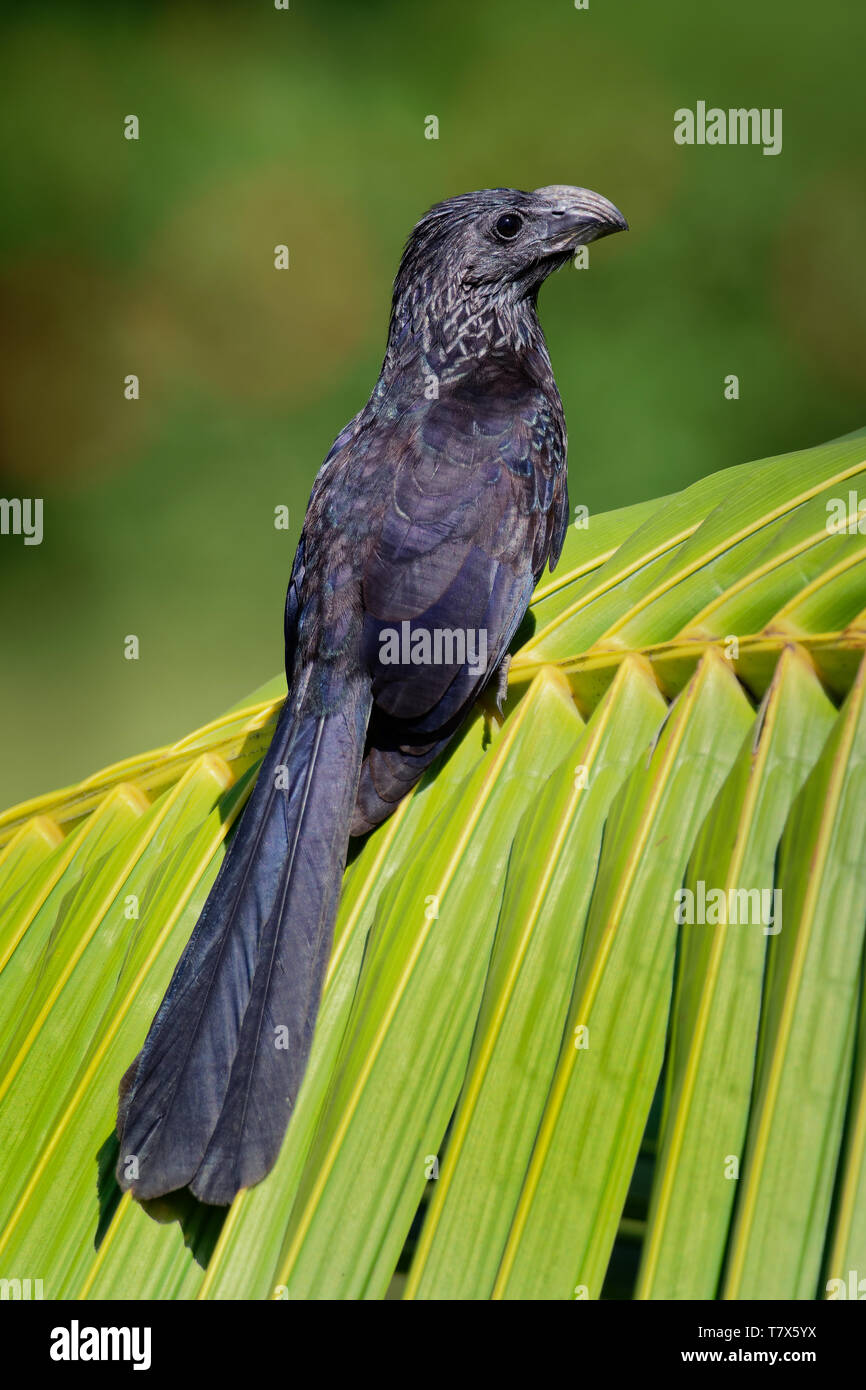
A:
[508,225]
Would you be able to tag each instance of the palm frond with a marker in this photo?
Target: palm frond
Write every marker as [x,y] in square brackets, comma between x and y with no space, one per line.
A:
[529,1079]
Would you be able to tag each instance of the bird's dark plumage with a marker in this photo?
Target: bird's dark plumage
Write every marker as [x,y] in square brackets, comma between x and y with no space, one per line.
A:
[435,512]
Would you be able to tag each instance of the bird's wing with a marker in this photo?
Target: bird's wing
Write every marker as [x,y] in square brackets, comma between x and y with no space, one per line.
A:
[475,503]
[334,462]
[476,493]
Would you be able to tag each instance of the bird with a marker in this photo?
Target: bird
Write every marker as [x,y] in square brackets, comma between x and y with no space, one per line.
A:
[435,512]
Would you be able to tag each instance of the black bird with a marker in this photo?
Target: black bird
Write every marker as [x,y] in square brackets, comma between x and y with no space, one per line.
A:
[434,513]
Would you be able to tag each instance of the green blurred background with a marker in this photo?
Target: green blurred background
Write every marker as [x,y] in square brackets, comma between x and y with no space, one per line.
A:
[261,126]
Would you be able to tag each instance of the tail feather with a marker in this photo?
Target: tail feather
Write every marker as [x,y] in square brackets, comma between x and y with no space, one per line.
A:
[210,1094]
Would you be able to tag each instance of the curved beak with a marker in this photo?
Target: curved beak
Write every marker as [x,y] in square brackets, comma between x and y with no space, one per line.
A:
[576,216]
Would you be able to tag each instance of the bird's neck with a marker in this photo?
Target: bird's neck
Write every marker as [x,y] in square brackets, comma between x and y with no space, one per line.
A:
[449,333]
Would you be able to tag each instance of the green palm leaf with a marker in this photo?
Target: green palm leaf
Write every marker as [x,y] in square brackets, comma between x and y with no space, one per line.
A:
[527,1077]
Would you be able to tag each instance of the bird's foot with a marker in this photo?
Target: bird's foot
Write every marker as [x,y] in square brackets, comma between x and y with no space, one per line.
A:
[497,691]
[502,681]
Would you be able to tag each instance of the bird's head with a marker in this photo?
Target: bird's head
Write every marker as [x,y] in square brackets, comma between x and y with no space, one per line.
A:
[504,238]
[473,265]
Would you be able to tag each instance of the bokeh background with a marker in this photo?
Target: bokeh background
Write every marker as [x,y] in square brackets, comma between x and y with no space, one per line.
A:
[306,126]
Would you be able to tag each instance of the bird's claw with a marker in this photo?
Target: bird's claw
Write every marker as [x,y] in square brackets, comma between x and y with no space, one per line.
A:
[502,682]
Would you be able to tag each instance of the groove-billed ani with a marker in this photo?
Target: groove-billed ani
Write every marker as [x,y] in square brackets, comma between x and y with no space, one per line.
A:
[438,506]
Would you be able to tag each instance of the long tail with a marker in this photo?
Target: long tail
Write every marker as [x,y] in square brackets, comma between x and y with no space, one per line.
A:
[206,1103]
